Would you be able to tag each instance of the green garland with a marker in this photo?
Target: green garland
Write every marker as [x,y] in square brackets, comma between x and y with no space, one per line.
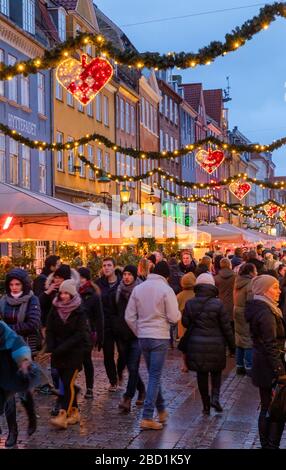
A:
[41,145]
[237,38]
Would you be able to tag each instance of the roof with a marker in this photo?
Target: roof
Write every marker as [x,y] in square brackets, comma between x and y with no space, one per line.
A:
[192,94]
[46,25]
[213,104]
[68,4]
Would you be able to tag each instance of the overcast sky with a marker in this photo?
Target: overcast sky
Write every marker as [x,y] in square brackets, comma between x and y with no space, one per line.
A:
[257,70]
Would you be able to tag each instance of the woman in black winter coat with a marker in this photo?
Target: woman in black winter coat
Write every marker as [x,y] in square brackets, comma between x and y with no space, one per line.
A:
[91,301]
[267,328]
[20,310]
[67,340]
[209,332]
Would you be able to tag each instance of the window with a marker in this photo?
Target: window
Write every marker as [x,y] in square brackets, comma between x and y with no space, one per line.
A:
[172,144]
[60,153]
[151,118]
[176,144]
[166,105]
[89,109]
[81,164]
[4,7]
[143,110]
[88,49]
[147,117]
[117,112]
[118,163]
[70,158]
[106,111]
[122,114]
[98,107]
[70,101]
[41,93]
[2,158]
[59,91]
[132,120]
[14,155]
[107,162]
[80,107]
[2,91]
[127,113]
[171,110]
[42,172]
[91,173]
[62,25]
[26,167]
[99,158]
[128,165]
[166,142]
[155,119]
[176,113]
[161,140]
[29,16]
[161,103]
[25,91]
[12,84]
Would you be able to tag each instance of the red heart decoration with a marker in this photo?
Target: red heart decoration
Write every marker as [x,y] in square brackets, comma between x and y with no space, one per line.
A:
[270,209]
[209,160]
[84,80]
[239,189]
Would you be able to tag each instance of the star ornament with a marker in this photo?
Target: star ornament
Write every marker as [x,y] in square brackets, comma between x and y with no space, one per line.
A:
[84,80]
[209,160]
[239,189]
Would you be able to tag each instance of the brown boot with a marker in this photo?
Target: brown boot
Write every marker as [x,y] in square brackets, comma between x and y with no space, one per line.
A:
[125,404]
[74,416]
[150,424]
[163,416]
[60,421]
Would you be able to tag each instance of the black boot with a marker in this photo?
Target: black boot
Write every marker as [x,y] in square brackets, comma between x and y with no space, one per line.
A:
[10,413]
[207,407]
[29,405]
[275,434]
[215,395]
[263,428]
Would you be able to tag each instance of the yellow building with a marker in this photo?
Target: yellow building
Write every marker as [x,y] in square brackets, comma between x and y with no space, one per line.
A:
[75,182]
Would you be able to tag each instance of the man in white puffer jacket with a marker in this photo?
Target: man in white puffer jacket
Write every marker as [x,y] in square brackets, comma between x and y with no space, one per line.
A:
[151,309]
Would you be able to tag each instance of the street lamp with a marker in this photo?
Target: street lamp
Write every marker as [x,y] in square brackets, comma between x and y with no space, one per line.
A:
[104,186]
[125,194]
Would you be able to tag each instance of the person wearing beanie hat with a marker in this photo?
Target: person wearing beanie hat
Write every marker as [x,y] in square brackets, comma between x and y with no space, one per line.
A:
[91,300]
[187,283]
[205,278]
[128,341]
[151,309]
[66,340]
[267,328]
[209,329]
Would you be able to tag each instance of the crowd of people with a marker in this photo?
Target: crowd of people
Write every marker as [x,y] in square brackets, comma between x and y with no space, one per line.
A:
[223,304]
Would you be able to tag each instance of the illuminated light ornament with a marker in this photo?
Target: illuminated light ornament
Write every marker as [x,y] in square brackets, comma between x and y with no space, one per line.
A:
[282,215]
[215,186]
[84,80]
[270,209]
[239,188]
[209,160]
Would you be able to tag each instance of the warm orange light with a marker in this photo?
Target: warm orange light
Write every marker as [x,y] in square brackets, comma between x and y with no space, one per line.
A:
[7,222]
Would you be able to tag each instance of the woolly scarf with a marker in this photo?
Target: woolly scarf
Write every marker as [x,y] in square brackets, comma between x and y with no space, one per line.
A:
[85,287]
[64,309]
[125,290]
[16,302]
[273,305]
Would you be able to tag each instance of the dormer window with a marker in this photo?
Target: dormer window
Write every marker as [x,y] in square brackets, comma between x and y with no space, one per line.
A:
[62,24]
[4,7]
[29,16]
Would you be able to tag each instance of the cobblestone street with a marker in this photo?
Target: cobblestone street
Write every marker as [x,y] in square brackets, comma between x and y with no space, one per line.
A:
[103,426]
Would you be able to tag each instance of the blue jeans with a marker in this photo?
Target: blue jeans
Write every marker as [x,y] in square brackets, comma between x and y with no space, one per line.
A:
[154,352]
[244,357]
[133,354]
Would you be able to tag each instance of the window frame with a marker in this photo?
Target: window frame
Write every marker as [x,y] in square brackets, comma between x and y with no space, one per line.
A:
[25,91]
[26,167]
[28,17]
[12,160]
[2,158]
[60,152]
[41,88]
[43,166]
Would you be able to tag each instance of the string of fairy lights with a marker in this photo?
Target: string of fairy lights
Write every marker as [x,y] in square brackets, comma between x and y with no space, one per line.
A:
[132,58]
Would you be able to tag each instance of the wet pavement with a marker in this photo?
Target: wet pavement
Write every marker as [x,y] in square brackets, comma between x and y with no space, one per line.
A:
[103,426]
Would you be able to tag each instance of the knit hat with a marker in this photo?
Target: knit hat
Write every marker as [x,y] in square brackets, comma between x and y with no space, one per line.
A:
[205,278]
[63,271]
[85,273]
[152,258]
[130,268]
[69,287]
[262,284]
[162,268]
[188,281]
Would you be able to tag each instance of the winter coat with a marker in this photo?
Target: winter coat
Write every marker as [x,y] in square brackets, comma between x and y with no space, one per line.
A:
[92,304]
[46,300]
[108,299]
[210,330]
[260,266]
[236,261]
[119,326]
[175,276]
[241,294]
[224,281]
[40,282]
[151,309]
[187,269]
[67,341]
[183,297]
[268,335]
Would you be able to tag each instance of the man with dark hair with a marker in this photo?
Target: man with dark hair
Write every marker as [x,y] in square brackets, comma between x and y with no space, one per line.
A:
[237,259]
[253,258]
[108,284]
[187,264]
[52,263]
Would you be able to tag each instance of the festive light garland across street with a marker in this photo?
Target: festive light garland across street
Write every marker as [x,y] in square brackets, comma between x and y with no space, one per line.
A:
[130,57]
